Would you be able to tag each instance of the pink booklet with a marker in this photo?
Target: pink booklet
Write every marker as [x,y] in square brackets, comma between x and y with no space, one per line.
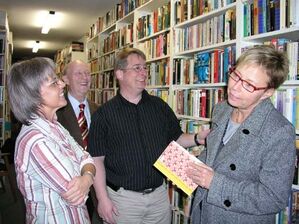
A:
[173,163]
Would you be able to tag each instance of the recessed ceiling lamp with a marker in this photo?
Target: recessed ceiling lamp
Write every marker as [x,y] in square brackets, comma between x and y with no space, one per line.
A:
[35,47]
[48,23]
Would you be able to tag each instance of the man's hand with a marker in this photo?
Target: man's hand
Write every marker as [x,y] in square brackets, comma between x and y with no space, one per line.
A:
[106,210]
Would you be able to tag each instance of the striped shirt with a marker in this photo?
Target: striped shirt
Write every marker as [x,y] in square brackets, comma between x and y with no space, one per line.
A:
[132,137]
[46,159]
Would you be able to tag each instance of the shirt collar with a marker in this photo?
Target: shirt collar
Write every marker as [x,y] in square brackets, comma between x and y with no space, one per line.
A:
[44,124]
[121,100]
[74,102]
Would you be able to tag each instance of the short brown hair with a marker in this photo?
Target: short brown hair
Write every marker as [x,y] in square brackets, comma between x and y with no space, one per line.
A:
[121,58]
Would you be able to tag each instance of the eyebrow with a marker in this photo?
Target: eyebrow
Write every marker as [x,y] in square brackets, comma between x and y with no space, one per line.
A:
[52,80]
[252,82]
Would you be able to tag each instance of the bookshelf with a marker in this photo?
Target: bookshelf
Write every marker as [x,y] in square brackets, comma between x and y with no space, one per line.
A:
[190,46]
[73,51]
[6,48]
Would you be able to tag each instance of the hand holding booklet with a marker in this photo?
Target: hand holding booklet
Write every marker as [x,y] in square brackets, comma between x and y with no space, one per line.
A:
[173,163]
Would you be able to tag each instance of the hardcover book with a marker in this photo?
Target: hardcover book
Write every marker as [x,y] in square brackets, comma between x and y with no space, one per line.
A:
[173,163]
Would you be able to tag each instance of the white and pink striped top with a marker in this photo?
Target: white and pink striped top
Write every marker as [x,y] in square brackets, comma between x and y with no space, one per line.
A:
[46,159]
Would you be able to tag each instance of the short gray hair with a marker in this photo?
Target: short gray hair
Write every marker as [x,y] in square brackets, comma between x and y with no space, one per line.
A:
[24,83]
[274,62]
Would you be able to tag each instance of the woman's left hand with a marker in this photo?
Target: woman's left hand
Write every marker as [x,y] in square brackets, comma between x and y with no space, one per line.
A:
[200,174]
[78,189]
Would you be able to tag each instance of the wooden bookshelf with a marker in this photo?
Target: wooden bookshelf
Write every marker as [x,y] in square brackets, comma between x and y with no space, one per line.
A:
[73,51]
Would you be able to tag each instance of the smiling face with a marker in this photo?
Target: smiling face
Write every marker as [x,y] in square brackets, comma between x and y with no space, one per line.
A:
[242,99]
[52,97]
[78,79]
[132,79]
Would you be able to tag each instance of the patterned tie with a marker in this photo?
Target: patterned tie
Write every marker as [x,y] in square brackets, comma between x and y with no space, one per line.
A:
[83,125]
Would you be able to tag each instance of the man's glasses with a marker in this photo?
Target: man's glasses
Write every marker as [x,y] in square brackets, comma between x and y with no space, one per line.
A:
[235,75]
[137,68]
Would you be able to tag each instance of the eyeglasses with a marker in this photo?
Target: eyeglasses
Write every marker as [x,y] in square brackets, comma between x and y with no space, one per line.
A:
[246,85]
[137,68]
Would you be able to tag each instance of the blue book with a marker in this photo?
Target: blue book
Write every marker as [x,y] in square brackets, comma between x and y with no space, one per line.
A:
[205,71]
[260,17]
[276,14]
[225,64]
[245,20]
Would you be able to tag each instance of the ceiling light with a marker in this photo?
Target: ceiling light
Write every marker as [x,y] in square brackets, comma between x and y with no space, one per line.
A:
[48,23]
[35,47]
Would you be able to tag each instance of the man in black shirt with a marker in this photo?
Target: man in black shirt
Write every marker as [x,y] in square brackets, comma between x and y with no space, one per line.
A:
[127,135]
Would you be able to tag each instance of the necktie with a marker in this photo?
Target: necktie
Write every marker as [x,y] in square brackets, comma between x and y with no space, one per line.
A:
[83,125]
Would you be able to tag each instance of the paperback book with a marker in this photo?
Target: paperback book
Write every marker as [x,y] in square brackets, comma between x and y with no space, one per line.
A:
[173,163]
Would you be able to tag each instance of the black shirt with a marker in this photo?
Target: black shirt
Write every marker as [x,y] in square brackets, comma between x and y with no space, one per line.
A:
[132,137]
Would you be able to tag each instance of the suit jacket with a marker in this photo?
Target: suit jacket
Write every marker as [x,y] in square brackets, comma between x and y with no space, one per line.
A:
[253,172]
[67,117]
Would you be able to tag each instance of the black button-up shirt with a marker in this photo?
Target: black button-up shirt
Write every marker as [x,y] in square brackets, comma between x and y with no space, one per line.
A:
[132,137]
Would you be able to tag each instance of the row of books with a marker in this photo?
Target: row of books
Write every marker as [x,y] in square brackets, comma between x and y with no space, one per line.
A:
[290,214]
[156,47]
[158,73]
[197,102]
[162,93]
[192,127]
[106,62]
[188,9]
[178,199]
[128,6]
[2,64]
[291,48]
[102,80]
[212,31]
[2,42]
[109,18]
[126,35]
[77,46]
[116,13]
[92,52]
[110,43]
[100,97]
[94,66]
[74,46]
[117,39]
[154,22]
[1,101]
[262,16]
[205,67]
[286,101]
[1,78]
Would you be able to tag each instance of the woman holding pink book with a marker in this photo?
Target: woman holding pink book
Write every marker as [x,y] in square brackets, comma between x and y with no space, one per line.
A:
[250,154]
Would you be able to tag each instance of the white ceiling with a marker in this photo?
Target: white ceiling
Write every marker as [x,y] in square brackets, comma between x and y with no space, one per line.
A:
[76,16]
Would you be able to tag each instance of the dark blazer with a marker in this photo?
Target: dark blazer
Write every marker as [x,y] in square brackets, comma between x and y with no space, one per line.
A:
[253,171]
[67,117]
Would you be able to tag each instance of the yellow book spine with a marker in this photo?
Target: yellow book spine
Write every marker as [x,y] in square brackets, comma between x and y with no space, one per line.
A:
[175,179]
